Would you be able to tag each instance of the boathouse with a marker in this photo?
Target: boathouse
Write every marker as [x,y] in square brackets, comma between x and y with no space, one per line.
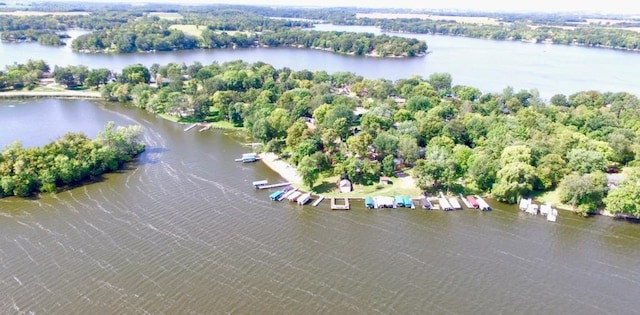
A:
[345,186]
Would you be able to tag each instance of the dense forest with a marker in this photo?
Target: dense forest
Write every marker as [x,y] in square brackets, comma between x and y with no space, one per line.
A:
[510,144]
[69,160]
[155,34]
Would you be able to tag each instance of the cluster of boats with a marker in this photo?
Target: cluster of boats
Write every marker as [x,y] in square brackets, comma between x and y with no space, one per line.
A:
[428,203]
[291,194]
[388,202]
[527,205]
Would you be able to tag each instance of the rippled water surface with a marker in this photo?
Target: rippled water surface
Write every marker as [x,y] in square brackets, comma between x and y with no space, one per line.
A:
[182,231]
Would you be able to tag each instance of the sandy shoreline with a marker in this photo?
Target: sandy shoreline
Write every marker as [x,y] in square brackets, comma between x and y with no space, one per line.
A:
[281,167]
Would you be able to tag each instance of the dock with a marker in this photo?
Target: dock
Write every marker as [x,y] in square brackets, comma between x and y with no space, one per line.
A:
[205,127]
[444,203]
[482,205]
[304,198]
[274,185]
[426,204]
[287,194]
[318,201]
[466,202]
[453,201]
[294,196]
[190,127]
[259,183]
[344,206]
[248,157]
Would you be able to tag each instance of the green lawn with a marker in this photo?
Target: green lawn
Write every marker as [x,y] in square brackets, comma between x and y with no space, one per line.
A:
[327,187]
[190,29]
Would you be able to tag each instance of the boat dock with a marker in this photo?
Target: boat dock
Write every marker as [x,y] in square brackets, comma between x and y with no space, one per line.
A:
[304,198]
[466,202]
[482,205]
[205,127]
[190,127]
[444,203]
[344,206]
[294,195]
[287,194]
[318,201]
[274,185]
[248,157]
[453,201]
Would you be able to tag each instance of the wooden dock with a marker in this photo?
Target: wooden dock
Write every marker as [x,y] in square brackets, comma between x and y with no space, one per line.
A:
[205,127]
[318,201]
[344,206]
[274,185]
[287,194]
[190,127]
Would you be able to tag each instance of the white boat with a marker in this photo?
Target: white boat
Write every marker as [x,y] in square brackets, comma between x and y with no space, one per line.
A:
[453,201]
[532,209]
[304,198]
[524,204]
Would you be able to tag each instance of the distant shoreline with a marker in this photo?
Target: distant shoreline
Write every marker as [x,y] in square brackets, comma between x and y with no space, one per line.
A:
[50,94]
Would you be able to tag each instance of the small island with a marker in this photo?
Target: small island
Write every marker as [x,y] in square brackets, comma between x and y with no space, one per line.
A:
[68,161]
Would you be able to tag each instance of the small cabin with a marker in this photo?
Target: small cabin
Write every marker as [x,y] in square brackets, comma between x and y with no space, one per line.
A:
[345,186]
[384,180]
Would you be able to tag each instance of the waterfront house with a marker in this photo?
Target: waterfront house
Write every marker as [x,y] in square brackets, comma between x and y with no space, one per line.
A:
[345,186]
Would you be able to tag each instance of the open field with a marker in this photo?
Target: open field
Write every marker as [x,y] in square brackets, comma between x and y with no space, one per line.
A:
[167,15]
[189,29]
[41,13]
[459,19]
[196,30]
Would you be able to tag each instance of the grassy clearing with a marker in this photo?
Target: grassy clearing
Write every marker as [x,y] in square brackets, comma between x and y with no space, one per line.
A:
[327,187]
[167,15]
[189,29]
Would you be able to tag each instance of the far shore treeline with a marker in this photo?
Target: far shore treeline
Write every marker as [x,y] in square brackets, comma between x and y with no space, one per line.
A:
[123,28]
[70,160]
[448,137]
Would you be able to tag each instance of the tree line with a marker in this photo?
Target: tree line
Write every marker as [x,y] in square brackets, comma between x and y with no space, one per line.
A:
[69,160]
[154,34]
[510,144]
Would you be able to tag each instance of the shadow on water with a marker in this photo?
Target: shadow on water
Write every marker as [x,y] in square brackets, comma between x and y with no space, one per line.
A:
[150,156]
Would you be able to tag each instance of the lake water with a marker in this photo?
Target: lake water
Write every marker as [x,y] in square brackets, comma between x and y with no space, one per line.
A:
[183,232]
[486,64]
